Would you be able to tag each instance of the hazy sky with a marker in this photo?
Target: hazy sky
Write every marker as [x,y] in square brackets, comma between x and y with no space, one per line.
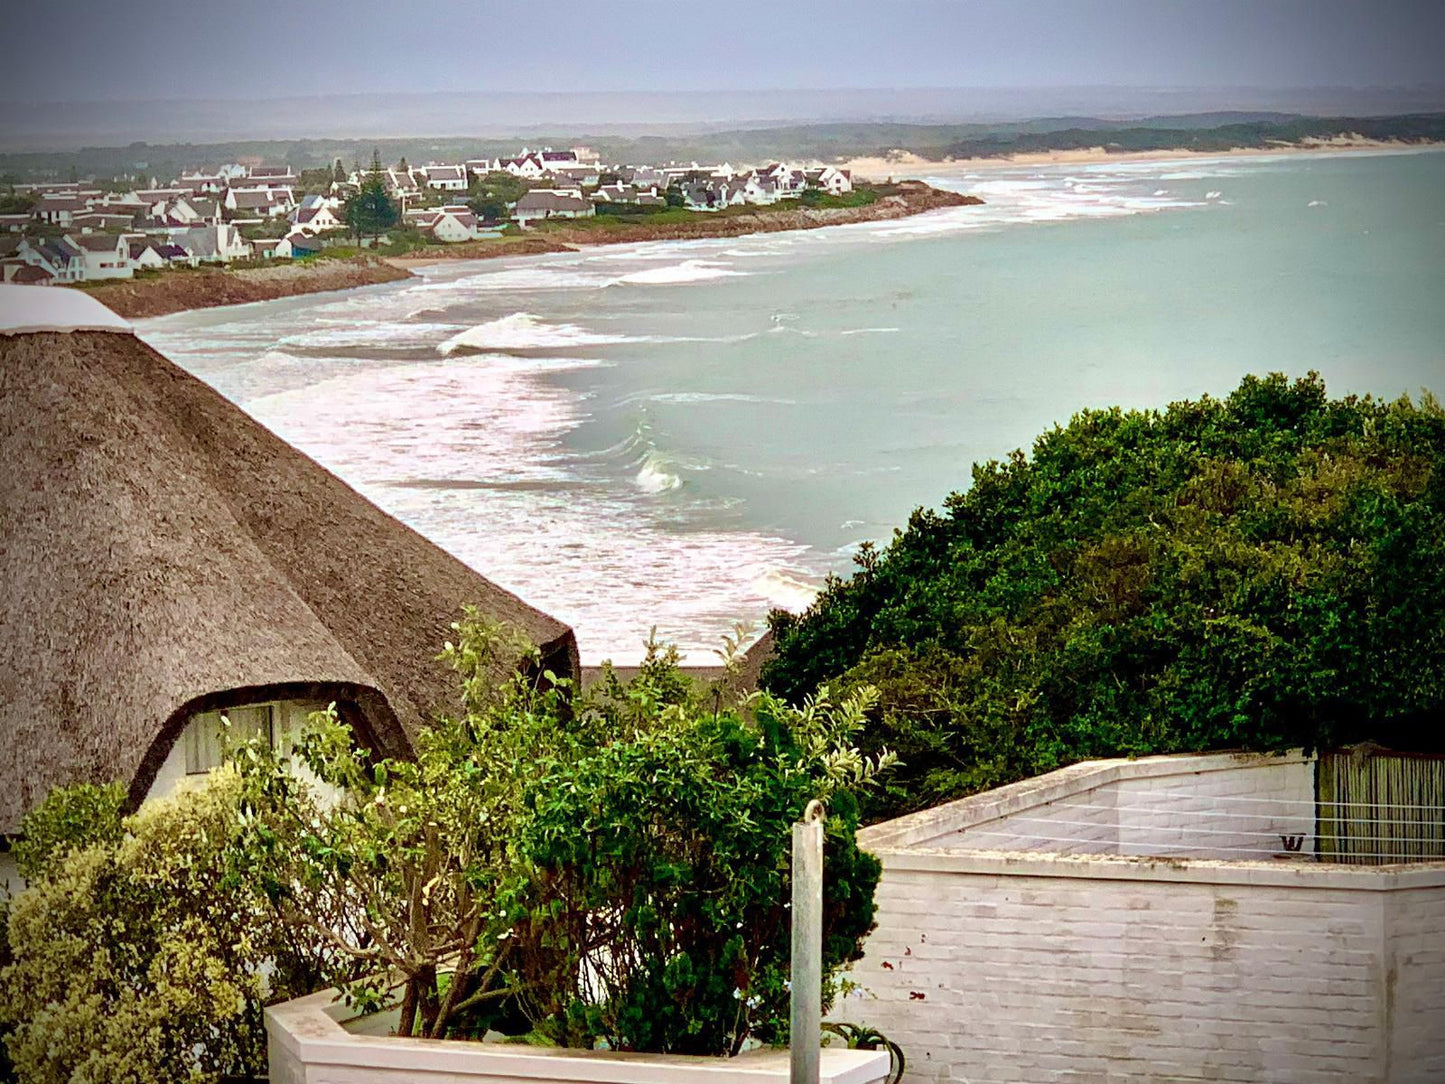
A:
[125,50]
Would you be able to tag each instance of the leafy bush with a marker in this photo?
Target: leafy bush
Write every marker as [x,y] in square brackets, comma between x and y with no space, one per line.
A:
[70,818]
[1261,572]
[612,866]
[137,954]
[605,868]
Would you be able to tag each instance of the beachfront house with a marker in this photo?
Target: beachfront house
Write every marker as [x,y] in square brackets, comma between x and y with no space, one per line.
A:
[145,255]
[830,179]
[181,562]
[219,243]
[543,203]
[295,245]
[449,224]
[104,255]
[318,218]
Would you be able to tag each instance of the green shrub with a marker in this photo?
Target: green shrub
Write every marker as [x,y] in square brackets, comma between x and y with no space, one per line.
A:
[611,865]
[69,818]
[139,956]
[1261,572]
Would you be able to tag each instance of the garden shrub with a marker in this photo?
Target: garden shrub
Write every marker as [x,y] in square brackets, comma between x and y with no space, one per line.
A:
[137,955]
[608,868]
[612,866]
[1261,572]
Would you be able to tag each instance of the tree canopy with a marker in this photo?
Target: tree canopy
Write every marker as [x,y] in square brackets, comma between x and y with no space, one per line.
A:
[1261,572]
[371,211]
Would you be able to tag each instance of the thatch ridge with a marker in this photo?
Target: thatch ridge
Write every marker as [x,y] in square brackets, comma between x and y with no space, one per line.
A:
[160,549]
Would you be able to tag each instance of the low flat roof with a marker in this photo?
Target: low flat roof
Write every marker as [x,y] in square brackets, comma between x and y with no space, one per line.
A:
[28,309]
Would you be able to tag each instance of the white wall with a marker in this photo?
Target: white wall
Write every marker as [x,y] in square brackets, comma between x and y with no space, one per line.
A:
[1008,974]
[1415,984]
[289,717]
[307,1044]
[995,959]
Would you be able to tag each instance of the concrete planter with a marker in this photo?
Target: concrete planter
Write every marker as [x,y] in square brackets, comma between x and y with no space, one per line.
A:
[308,1045]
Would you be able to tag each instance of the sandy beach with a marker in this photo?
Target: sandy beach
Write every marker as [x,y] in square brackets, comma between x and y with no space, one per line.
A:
[882,168]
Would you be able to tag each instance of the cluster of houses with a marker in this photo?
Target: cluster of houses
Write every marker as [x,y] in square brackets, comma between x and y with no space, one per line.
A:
[74,233]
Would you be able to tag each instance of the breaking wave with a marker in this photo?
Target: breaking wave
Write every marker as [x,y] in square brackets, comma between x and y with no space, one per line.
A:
[523,331]
[687,271]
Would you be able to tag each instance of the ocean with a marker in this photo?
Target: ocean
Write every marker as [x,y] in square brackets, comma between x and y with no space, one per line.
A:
[682,435]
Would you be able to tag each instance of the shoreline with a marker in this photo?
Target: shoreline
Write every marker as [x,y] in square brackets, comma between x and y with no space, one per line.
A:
[876,168]
[912,198]
[174,291]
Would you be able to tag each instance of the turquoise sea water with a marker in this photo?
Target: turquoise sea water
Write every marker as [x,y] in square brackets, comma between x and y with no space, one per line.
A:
[684,434]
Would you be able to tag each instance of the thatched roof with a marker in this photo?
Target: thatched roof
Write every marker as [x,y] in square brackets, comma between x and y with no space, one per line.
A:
[162,553]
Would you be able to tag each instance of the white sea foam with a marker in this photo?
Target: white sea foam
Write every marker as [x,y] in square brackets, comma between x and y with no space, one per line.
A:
[1316,203]
[345,334]
[534,278]
[655,475]
[1213,193]
[677,274]
[787,589]
[523,331]
[869,331]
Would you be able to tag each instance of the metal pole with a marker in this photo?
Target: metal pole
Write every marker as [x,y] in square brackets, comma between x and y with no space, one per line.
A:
[807,970]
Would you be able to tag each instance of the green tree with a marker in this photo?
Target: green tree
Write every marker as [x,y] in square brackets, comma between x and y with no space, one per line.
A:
[491,195]
[371,212]
[338,172]
[1261,572]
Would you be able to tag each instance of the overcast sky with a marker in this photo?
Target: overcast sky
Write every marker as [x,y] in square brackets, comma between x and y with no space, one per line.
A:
[127,50]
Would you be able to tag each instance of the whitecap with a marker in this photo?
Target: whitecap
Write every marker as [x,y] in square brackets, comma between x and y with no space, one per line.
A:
[787,589]
[1316,203]
[523,331]
[687,271]
[869,331]
[655,475]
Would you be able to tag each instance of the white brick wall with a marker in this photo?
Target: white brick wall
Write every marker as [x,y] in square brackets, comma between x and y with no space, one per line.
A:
[1031,966]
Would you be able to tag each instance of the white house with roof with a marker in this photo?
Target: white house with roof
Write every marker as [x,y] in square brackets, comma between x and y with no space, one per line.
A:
[218,243]
[444,178]
[542,203]
[104,255]
[318,218]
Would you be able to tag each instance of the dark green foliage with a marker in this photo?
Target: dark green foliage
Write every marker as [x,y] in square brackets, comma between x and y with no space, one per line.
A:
[669,845]
[1263,572]
[371,212]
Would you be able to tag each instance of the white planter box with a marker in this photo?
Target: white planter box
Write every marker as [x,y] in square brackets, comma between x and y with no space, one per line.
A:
[308,1045]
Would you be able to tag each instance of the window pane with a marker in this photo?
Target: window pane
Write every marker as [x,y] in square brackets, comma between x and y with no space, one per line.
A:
[203,735]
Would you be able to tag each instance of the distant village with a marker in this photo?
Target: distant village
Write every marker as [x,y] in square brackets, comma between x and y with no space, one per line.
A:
[73,232]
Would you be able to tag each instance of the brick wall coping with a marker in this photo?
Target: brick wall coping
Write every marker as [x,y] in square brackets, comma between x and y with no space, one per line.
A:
[307,1035]
[1289,873]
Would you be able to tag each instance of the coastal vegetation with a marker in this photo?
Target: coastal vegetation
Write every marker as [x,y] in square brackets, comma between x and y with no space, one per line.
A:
[1259,572]
[601,869]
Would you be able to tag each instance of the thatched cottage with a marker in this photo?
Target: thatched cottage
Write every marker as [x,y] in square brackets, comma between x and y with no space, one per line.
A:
[163,558]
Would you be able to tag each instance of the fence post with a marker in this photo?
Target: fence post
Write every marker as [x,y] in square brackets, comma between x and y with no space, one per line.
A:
[806,1032]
